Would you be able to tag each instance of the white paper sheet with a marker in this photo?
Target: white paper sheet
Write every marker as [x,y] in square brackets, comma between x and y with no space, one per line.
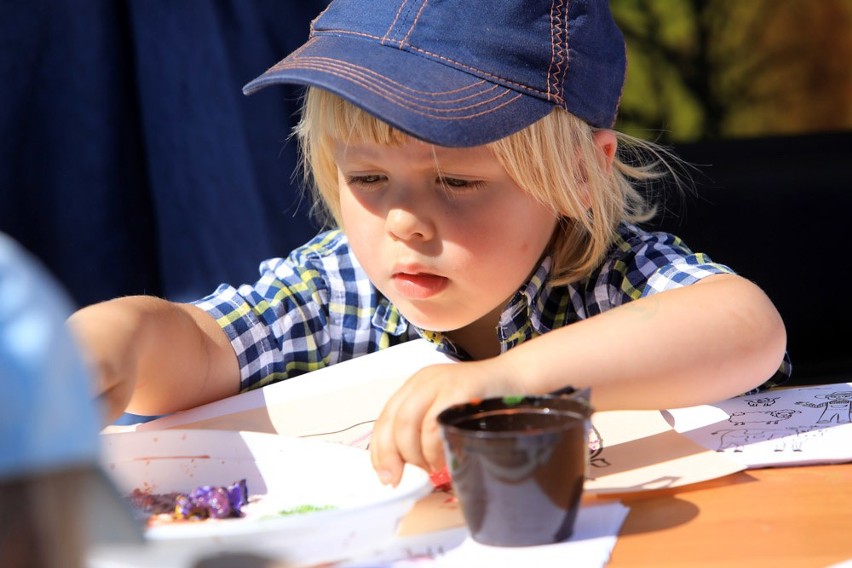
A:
[638,450]
[338,403]
[595,533]
[794,426]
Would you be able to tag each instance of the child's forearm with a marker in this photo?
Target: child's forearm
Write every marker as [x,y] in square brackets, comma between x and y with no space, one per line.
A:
[152,356]
[702,343]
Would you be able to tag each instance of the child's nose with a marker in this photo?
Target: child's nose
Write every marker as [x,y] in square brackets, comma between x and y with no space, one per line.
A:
[406,223]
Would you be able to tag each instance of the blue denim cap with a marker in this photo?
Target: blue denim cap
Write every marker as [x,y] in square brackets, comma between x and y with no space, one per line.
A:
[463,72]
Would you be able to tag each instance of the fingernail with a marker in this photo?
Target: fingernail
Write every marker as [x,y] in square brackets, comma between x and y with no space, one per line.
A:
[385,477]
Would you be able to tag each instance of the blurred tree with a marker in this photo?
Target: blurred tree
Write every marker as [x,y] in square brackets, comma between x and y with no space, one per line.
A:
[704,69]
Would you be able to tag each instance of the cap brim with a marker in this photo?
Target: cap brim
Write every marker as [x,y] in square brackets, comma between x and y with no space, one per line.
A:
[419,95]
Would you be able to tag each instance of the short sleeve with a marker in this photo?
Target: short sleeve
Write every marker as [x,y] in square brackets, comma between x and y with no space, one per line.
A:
[278,325]
[682,271]
[645,263]
[642,263]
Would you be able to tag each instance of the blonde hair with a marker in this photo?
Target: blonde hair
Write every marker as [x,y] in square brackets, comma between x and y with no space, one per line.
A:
[555,160]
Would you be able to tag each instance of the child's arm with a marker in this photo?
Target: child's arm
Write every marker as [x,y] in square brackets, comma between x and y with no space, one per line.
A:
[152,356]
[701,343]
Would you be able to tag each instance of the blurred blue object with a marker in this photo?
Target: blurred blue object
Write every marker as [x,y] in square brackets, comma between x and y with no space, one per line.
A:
[48,418]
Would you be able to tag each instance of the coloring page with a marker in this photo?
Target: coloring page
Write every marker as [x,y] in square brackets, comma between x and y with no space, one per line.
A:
[637,450]
[777,427]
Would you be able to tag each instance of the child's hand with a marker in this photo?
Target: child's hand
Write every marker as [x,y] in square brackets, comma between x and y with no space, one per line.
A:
[407,429]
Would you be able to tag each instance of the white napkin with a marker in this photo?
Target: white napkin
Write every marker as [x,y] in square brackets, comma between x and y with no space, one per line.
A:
[595,533]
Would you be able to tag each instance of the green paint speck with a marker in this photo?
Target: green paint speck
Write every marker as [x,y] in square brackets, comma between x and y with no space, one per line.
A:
[513,400]
[305,509]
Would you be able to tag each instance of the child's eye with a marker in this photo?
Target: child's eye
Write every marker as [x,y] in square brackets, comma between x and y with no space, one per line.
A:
[363,180]
[461,184]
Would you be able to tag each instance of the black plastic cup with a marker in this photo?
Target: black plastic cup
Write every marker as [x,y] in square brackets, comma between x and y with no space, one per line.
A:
[518,465]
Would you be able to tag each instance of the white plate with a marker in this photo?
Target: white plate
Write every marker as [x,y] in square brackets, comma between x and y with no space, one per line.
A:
[285,472]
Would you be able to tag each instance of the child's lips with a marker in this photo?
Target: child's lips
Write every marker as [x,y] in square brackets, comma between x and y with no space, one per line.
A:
[418,286]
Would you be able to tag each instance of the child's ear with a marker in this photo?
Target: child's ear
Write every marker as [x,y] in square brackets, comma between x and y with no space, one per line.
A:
[607,143]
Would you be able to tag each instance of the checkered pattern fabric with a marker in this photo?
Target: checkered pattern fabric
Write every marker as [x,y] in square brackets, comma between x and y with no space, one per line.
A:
[317,307]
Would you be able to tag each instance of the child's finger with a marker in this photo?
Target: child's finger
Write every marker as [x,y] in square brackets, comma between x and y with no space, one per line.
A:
[384,453]
[430,441]
[407,427]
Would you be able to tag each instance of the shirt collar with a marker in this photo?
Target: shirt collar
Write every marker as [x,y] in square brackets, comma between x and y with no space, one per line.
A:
[388,318]
[522,317]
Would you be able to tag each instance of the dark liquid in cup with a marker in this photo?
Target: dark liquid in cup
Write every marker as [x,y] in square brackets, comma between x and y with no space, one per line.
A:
[514,420]
[519,489]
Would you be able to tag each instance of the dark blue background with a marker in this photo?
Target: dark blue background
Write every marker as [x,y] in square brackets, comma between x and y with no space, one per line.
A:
[131,161]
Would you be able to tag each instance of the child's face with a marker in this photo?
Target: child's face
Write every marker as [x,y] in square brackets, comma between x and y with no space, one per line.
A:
[444,233]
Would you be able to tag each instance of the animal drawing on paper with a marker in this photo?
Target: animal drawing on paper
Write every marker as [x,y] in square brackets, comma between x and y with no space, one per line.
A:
[792,438]
[837,407]
[762,401]
[736,439]
[799,436]
[761,416]
[596,447]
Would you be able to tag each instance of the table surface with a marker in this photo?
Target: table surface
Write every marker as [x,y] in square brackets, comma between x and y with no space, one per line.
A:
[780,517]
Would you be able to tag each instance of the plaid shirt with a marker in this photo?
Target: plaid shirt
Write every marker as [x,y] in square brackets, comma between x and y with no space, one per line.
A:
[317,307]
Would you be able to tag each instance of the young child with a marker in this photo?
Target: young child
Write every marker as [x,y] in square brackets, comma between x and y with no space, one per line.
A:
[464,150]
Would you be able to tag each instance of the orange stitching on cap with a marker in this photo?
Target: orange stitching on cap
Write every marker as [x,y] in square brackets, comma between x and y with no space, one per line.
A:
[357,34]
[556,78]
[393,23]
[468,68]
[476,71]
[402,102]
[293,55]
[366,75]
[414,23]
[316,61]
[552,51]
[320,15]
